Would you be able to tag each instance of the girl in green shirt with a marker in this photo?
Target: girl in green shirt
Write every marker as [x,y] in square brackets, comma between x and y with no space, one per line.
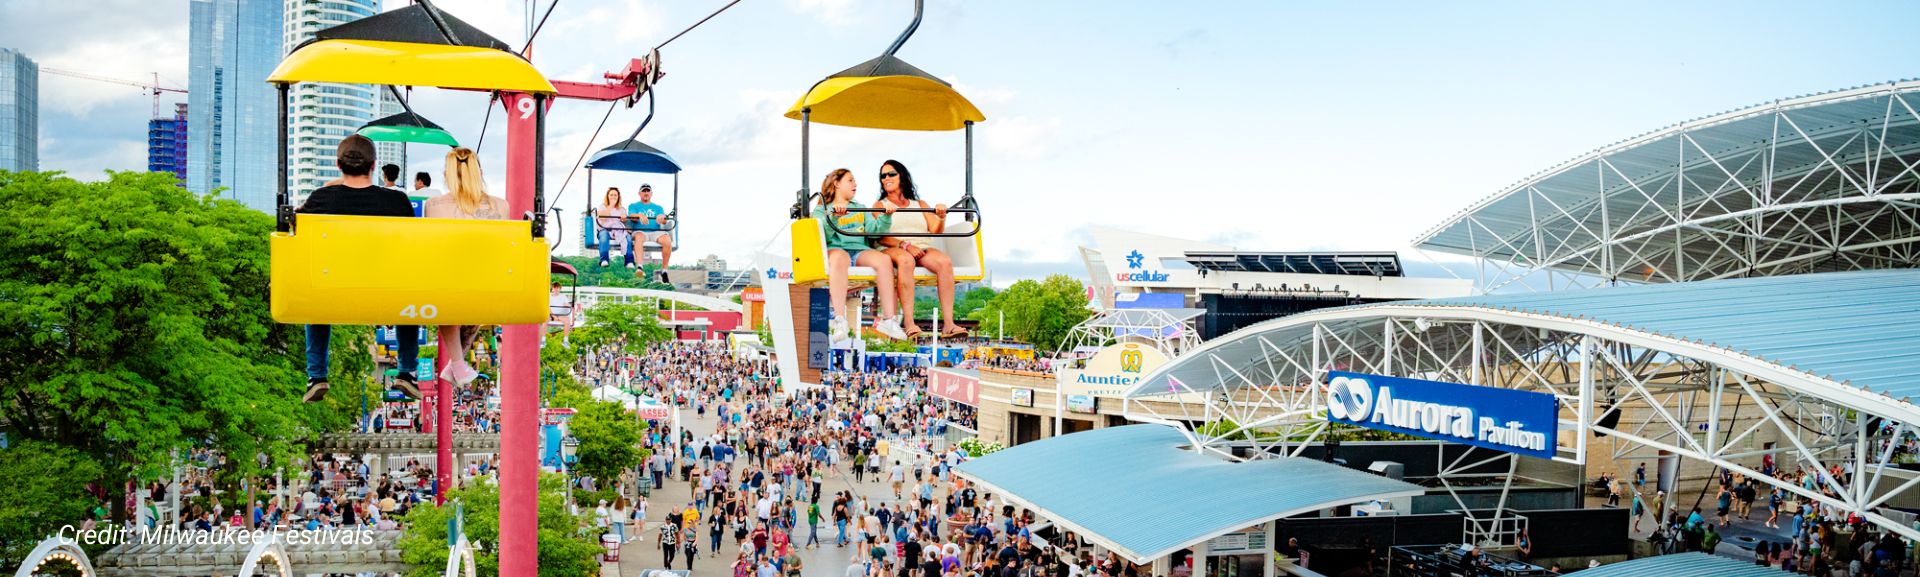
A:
[836,196]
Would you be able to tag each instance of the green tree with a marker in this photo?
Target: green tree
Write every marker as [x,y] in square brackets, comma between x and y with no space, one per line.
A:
[563,549]
[609,439]
[610,321]
[964,304]
[134,322]
[1039,312]
[46,489]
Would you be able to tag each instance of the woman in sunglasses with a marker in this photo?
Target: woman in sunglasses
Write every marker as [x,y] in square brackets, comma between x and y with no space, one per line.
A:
[897,192]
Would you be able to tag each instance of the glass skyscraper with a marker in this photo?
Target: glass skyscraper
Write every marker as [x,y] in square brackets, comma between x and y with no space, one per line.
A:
[324,113]
[232,114]
[19,112]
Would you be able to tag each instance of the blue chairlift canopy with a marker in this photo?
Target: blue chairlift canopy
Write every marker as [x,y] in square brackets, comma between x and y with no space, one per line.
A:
[633,156]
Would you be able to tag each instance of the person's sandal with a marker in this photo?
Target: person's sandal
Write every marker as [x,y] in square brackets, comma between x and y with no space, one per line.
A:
[957,332]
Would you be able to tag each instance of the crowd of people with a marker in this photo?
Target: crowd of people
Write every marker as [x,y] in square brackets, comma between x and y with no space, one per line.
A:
[761,477]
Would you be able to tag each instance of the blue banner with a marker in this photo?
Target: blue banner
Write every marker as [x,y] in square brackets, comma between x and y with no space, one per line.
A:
[1523,422]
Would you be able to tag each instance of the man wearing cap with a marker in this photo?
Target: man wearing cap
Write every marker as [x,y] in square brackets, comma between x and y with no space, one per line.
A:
[355,194]
[649,220]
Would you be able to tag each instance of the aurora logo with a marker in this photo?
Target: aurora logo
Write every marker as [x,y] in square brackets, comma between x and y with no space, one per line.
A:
[1350,399]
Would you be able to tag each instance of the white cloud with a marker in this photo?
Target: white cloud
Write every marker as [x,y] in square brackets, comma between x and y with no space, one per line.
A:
[831,12]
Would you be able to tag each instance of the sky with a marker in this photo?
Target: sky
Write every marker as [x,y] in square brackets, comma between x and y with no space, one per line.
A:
[1268,126]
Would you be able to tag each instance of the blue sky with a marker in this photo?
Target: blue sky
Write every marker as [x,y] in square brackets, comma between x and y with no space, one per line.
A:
[1265,125]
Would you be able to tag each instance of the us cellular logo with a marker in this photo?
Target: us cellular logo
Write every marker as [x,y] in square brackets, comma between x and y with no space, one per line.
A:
[1135,260]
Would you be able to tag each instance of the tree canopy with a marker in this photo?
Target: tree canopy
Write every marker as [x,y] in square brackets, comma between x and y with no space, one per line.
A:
[1038,312]
[607,322]
[563,550]
[134,322]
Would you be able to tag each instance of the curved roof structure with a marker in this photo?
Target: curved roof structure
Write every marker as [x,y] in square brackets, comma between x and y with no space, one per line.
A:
[1813,183]
[1076,480]
[1847,337]
[1694,564]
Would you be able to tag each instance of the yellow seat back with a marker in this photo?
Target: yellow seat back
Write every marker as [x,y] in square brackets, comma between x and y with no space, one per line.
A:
[371,270]
[809,251]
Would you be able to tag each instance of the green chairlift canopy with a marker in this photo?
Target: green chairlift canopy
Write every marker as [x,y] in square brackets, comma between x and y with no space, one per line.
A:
[407,127]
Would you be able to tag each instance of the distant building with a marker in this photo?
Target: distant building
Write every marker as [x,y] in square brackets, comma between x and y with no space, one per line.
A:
[712,262]
[19,112]
[393,152]
[322,114]
[233,115]
[167,144]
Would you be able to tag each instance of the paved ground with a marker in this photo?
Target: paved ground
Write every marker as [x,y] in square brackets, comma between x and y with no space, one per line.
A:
[1737,539]
[827,561]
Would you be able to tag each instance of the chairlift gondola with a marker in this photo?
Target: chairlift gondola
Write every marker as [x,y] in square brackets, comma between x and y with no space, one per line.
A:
[407,127]
[337,269]
[886,93]
[558,267]
[634,156]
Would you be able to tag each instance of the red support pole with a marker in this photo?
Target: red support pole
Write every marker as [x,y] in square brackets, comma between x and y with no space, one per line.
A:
[443,430]
[520,368]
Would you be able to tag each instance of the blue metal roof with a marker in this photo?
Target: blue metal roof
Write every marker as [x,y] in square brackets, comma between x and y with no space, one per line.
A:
[1688,564]
[1135,490]
[633,156]
[1860,328]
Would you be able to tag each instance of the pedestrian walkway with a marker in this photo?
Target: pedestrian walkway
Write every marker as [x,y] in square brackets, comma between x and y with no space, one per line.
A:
[827,561]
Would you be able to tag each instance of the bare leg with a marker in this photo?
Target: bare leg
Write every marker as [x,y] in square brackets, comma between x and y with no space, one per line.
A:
[666,250]
[882,272]
[903,267]
[942,267]
[837,281]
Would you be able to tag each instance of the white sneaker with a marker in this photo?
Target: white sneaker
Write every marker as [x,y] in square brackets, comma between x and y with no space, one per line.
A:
[837,329]
[631,266]
[891,328]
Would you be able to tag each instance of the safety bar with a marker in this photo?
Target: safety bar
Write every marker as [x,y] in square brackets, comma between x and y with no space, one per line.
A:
[672,221]
[973,214]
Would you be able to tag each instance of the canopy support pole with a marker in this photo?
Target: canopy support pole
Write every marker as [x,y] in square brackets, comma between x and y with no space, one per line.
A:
[967,198]
[800,205]
[283,211]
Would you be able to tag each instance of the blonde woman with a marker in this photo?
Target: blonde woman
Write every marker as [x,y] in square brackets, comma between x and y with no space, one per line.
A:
[836,196]
[466,198]
[612,226]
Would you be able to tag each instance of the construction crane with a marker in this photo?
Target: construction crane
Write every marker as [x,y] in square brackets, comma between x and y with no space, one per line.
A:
[153,88]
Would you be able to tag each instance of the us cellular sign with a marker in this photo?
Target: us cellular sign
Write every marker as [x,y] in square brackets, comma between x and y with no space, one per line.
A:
[1521,422]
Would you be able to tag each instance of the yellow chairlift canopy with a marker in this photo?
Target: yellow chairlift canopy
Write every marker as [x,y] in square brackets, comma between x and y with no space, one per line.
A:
[886,93]
[412,46]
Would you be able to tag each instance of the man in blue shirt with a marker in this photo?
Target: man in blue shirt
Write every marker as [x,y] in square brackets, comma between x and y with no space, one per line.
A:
[648,221]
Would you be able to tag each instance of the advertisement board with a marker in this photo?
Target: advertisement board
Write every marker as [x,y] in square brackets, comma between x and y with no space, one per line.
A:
[819,315]
[1020,397]
[1083,404]
[1111,371]
[1523,422]
[954,386]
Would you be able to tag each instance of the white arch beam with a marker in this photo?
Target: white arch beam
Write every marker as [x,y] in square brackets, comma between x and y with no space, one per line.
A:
[1431,337]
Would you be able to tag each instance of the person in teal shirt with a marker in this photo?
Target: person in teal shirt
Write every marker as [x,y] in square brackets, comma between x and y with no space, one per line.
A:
[836,196]
[648,222]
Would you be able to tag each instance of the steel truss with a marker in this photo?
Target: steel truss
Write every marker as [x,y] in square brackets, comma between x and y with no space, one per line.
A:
[1822,183]
[1685,398]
